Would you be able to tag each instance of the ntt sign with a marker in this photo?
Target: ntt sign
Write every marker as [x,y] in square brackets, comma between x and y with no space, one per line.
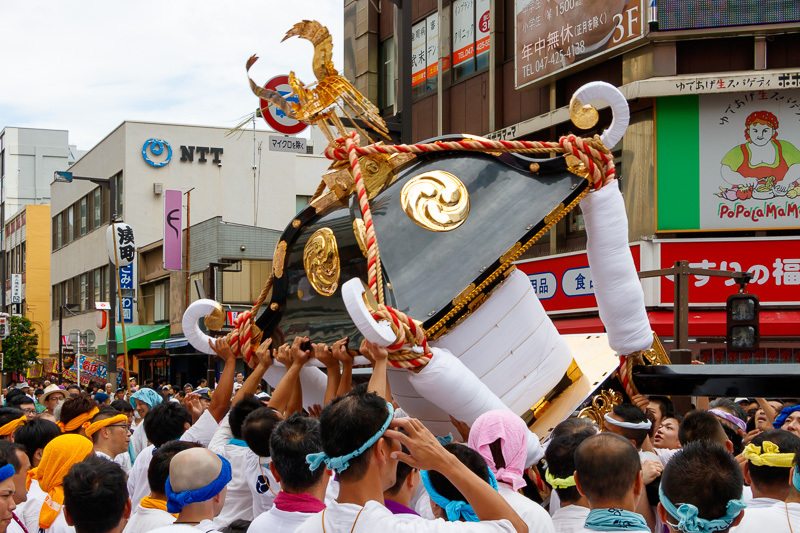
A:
[158,153]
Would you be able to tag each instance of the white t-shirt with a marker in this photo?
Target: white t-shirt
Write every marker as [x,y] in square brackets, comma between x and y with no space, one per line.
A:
[206,526]
[33,505]
[277,521]
[122,460]
[138,487]
[534,515]
[261,483]
[13,527]
[138,439]
[570,518]
[762,503]
[770,519]
[146,520]
[238,500]
[377,518]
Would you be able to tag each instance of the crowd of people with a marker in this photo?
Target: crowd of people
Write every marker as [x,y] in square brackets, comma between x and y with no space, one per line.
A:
[237,459]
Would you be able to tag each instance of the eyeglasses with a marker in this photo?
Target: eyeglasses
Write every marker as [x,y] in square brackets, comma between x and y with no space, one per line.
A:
[117,426]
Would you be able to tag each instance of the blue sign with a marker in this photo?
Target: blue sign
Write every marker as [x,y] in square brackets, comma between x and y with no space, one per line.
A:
[126,282]
[577,282]
[544,284]
[156,147]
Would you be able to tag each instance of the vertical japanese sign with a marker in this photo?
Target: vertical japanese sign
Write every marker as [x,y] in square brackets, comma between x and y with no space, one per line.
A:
[126,283]
[482,26]
[463,31]
[740,160]
[16,288]
[125,245]
[432,45]
[173,220]
[555,35]
[418,54]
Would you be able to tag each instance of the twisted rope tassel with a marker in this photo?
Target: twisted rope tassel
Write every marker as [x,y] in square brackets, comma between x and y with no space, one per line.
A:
[409,333]
[241,338]
[374,274]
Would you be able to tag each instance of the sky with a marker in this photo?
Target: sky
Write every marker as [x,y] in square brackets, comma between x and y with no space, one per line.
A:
[88,65]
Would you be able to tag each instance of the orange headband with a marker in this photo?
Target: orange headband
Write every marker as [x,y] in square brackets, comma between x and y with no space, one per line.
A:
[94,427]
[12,426]
[78,421]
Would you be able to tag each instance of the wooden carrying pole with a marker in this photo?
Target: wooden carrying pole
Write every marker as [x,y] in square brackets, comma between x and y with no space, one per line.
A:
[121,315]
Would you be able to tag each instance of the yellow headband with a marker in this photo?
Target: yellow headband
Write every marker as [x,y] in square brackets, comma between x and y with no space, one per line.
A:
[557,482]
[768,454]
[12,426]
[78,421]
[94,427]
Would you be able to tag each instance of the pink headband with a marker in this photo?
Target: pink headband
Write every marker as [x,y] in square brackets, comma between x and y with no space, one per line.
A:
[513,434]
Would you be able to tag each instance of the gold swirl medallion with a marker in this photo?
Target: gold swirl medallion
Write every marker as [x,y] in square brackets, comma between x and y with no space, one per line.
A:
[583,116]
[216,319]
[435,200]
[321,261]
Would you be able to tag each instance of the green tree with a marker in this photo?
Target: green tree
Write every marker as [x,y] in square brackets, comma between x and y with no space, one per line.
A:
[21,347]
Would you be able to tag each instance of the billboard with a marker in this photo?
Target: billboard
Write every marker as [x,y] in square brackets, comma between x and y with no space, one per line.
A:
[554,36]
[774,263]
[689,14]
[739,161]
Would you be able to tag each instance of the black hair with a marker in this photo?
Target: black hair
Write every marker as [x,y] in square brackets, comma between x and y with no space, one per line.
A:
[727,404]
[73,386]
[290,442]
[633,414]
[237,526]
[122,406]
[773,476]
[574,425]
[700,425]
[95,494]
[18,400]
[75,407]
[239,412]
[35,435]
[258,427]
[735,437]
[8,452]
[560,457]
[469,458]
[165,422]
[158,471]
[403,471]
[607,466]
[106,411]
[347,422]
[705,475]
[664,404]
[9,414]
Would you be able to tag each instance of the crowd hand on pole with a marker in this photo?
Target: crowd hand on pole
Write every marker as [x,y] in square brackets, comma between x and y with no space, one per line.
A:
[325,355]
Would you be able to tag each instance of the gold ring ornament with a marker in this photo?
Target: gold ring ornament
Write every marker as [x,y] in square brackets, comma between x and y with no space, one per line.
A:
[321,261]
[197,310]
[600,90]
[216,319]
[435,200]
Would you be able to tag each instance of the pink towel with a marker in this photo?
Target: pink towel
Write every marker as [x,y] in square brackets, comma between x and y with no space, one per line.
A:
[513,434]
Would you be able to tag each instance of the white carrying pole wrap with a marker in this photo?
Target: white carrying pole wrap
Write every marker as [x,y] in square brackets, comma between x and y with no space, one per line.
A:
[621,114]
[617,288]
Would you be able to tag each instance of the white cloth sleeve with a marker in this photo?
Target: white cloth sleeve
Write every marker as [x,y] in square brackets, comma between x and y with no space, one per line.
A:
[616,283]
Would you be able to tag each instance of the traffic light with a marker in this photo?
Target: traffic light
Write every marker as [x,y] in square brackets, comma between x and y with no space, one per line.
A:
[741,318]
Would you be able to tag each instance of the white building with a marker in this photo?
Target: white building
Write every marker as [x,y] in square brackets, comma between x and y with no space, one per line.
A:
[234,179]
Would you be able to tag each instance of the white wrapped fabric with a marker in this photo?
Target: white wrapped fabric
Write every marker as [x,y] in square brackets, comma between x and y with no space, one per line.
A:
[312,379]
[621,117]
[616,283]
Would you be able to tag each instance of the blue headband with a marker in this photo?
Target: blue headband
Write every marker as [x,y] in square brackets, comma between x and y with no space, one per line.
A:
[6,472]
[785,412]
[340,464]
[690,522]
[795,477]
[455,509]
[177,501]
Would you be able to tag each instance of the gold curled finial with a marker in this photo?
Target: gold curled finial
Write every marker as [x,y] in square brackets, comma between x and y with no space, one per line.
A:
[435,200]
[321,261]
[216,319]
[320,37]
[602,404]
[583,116]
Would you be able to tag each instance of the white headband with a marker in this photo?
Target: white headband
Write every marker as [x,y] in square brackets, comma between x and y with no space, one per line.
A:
[628,425]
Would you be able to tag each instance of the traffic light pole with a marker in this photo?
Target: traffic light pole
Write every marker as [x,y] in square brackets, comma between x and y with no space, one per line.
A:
[681,272]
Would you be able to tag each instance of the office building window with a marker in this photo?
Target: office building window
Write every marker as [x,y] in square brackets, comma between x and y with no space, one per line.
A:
[301,202]
[97,285]
[161,301]
[69,232]
[470,37]
[388,82]
[82,210]
[84,292]
[97,207]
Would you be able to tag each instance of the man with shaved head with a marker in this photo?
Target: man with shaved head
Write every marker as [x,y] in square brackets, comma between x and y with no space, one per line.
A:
[196,490]
[608,473]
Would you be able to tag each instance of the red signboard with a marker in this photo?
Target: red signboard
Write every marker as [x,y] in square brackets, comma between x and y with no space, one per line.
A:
[563,282]
[276,118]
[774,263]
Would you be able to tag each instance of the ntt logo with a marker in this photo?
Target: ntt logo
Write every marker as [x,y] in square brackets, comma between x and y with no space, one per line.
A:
[156,148]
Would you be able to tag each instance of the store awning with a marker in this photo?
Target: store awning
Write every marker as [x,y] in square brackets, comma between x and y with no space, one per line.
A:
[567,326]
[138,337]
[167,344]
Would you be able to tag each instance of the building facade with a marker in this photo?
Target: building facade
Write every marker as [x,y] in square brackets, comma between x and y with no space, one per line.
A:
[237,193]
[709,166]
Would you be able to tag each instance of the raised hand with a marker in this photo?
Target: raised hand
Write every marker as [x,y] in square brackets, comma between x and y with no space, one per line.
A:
[324,355]
[262,355]
[299,355]
[222,349]
[284,356]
